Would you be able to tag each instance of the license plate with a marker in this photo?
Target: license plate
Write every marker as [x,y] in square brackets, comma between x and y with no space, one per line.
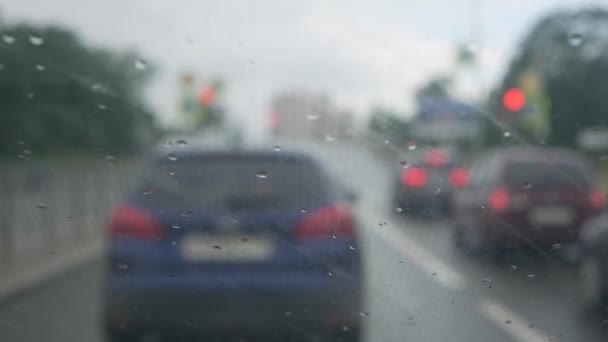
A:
[556,216]
[237,248]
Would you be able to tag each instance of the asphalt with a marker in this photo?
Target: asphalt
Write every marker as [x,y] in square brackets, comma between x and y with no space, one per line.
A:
[419,286]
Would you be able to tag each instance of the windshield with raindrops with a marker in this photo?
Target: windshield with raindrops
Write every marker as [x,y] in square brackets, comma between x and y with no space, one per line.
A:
[290,170]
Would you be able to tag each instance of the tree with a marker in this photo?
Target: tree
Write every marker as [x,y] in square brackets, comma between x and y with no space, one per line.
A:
[568,52]
[56,93]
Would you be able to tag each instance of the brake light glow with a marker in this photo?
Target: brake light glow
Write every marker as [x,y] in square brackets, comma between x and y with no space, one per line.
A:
[460,177]
[598,199]
[414,177]
[500,200]
[132,223]
[336,220]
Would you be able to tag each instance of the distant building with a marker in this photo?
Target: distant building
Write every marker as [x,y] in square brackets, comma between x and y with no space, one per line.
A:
[302,115]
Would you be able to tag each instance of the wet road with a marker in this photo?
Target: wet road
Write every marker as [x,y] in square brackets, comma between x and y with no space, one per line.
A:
[420,288]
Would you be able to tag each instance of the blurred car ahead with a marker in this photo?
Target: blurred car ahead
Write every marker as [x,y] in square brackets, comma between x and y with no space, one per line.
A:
[425,180]
[594,263]
[519,197]
[233,241]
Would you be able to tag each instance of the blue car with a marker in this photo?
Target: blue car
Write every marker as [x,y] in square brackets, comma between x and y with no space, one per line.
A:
[241,243]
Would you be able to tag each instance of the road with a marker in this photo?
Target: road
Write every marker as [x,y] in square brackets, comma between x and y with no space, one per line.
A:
[420,288]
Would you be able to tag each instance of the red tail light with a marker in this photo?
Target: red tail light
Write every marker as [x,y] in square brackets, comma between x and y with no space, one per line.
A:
[500,200]
[460,177]
[598,199]
[327,222]
[132,223]
[415,177]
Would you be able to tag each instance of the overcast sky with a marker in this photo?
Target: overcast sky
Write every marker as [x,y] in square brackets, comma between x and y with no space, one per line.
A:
[360,52]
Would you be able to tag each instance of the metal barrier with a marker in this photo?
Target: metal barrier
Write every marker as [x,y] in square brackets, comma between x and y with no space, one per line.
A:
[49,205]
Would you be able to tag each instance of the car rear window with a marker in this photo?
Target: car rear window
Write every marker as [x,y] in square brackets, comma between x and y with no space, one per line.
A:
[233,182]
[548,175]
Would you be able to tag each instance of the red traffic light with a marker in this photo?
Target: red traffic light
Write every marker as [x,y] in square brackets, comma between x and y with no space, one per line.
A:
[514,100]
[207,96]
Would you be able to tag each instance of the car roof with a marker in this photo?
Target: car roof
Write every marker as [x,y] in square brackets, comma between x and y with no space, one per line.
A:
[214,146]
[540,154]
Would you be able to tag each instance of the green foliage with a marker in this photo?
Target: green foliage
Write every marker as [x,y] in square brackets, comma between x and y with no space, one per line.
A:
[56,94]
[569,52]
[389,126]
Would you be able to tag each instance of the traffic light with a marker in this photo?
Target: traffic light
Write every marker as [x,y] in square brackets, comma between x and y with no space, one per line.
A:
[514,100]
[207,96]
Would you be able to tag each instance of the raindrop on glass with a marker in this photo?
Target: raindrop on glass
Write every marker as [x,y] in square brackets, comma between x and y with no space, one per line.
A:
[216,247]
[277,148]
[437,190]
[122,266]
[110,158]
[141,64]
[334,236]
[404,164]
[575,39]
[171,173]
[513,268]
[287,313]
[411,145]
[167,143]
[185,213]
[261,174]
[20,142]
[486,280]
[8,39]
[352,248]
[312,116]
[36,40]
[175,226]
[171,157]
[508,321]
[96,87]
[386,141]
[526,185]
[181,143]
[556,246]
[20,156]
[26,152]
[531,276]
[40,67]
[102,106]
[147,192]
[330,137]
[364,314]
[41,205]
[303,210]
[331,274]
[506,134]
[398,209]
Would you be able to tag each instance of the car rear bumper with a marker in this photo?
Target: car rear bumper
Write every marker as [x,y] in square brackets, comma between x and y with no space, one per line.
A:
[297,302]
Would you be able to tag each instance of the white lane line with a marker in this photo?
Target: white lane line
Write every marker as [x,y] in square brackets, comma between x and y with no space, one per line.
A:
[439,271]
[510,323]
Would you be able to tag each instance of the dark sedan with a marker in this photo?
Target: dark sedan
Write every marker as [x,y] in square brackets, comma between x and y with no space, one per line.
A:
[534,197]
[425,180]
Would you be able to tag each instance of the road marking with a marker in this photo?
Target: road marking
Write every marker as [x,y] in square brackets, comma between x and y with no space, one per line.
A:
[439,271]
[513,325]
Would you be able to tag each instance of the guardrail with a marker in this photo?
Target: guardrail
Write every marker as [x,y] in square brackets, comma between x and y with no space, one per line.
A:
[49,206]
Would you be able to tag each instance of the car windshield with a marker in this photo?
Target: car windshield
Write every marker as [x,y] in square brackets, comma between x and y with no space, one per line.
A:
[547,175]
[304,170]
[233,183]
